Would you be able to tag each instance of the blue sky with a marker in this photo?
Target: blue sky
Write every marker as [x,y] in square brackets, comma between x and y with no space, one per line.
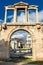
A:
[11,2]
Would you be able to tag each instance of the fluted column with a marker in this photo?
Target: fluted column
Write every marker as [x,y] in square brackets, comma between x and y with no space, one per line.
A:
[37,15]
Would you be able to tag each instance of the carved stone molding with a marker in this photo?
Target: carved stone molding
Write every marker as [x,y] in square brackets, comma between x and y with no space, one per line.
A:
[38,27]
[4,26]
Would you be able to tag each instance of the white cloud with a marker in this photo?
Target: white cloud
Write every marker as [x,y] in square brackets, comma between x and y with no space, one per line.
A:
[21,18]
[40,16]
[32,17]
[10,16]
[17,36]
[20,35]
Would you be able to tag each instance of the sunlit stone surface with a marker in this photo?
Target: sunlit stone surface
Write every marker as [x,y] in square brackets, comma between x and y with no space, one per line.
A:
[8,28]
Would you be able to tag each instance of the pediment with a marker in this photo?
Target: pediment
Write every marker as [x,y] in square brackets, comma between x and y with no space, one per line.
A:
[21,3]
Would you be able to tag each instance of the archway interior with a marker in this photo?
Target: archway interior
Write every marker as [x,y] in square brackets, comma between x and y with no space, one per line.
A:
[21,44]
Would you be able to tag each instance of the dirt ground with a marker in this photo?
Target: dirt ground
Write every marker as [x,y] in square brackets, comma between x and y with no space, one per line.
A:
[12,63]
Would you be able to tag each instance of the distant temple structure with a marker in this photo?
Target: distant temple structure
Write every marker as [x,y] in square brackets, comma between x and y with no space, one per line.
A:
[7,29]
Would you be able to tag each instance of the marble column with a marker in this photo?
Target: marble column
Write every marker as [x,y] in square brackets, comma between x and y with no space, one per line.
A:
[15,15]
[26,15]
[5,15]
[37,15]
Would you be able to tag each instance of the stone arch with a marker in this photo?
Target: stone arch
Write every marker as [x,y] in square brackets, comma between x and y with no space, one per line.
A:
[32,35]
[14,30]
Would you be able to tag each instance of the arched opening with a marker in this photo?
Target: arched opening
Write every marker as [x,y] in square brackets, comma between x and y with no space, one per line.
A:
[20,44]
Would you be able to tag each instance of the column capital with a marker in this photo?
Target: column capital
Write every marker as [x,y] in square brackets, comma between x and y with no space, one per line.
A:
[6,7]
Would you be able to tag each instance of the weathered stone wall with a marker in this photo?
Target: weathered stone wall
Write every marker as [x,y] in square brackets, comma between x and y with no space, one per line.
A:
[4,49]
[37,40]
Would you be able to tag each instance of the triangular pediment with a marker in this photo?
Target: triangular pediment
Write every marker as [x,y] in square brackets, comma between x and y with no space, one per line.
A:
[21,3]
